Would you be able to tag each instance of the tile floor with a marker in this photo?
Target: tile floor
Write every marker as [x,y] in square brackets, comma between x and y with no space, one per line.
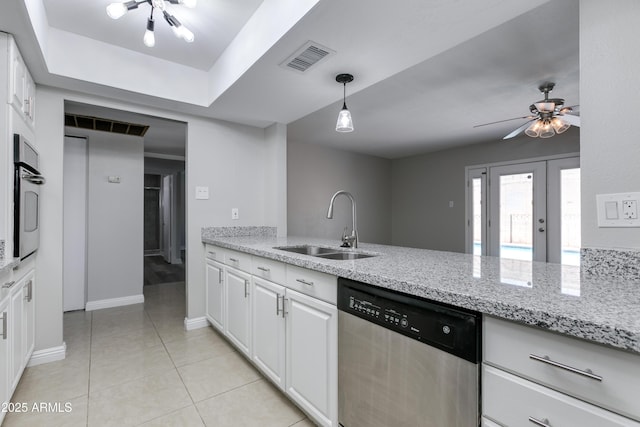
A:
[137,366]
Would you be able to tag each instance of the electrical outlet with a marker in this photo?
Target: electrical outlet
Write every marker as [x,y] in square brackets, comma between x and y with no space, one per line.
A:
[235,214]
[630,209]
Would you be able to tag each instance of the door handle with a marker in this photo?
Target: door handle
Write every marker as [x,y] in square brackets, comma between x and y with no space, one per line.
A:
[541,229]
[4,325]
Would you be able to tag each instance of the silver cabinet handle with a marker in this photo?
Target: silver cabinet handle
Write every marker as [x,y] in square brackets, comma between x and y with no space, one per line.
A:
[284,307]
[233,259]
[29,296]
[4,325]
[246,291]
[9,284]
[219,275]
[265,269]
[304,282]
[585,373]
[541,423]
[278,309]
[213,254]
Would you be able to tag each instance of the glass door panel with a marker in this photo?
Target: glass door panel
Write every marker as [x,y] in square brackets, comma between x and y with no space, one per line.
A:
[518,211]
[564,211]
[477,230]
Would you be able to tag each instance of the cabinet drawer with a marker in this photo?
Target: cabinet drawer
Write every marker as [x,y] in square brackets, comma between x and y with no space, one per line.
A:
[313,283]
[215,253]
[268,269]
[239,260]
[513,401]
[519,349]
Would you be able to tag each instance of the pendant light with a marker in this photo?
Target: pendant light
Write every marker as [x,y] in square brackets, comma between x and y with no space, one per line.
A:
[344,123]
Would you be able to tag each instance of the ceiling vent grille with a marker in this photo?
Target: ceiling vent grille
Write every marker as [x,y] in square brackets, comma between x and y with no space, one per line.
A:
[104,125]
[308,55]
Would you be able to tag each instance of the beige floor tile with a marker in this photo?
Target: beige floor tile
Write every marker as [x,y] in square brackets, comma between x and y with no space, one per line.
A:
[217,375]
[193,349]
[135,339]
[186,417]
[52,382]
[121,326]
[70,413]
[255,404]
[109,369]
[305,423]
[138,401]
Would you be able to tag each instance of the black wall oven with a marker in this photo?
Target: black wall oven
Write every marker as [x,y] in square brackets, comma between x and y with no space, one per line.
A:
[26,198]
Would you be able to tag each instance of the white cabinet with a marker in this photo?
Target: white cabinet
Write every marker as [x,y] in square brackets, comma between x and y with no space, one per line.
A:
[237,289]
[22,89]
[529,372]
[215,300]
[312,361]
[268,347]
[4,354]
[16,336]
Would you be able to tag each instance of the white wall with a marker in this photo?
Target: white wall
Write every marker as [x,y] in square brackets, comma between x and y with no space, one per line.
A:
[226,157]
[423,186]
[115,219]
[315,173]
[609,97]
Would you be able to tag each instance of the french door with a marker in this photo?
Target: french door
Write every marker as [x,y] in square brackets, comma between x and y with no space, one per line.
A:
[526,211]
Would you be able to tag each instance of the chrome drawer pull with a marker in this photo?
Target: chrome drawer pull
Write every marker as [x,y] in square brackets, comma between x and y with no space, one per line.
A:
[278,305]
[4,325]
[233,259]
[266,270]
[585,373]
[213,254]
[246,291]
[9,284]
[541,423]
[304,282]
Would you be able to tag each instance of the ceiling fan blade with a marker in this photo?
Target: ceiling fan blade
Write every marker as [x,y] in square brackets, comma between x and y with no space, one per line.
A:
[519,130]
[502,121]
[571,119]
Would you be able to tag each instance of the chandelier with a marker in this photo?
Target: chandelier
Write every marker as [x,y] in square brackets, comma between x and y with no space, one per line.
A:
[117,10]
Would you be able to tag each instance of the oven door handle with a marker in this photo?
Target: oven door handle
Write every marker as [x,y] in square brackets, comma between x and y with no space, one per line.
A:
[34,179]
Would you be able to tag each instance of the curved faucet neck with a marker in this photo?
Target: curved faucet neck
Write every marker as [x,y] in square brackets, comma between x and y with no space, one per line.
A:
[354,231]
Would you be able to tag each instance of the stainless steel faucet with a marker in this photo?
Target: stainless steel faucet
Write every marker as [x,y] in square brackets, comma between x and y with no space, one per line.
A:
[352,240]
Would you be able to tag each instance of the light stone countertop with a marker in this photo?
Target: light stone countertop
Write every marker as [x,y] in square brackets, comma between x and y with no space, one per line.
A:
[6,265]
[559,298]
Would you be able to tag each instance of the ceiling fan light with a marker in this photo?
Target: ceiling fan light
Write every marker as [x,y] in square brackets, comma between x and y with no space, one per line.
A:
[149,38]
[344,123]
[559,125]
[545,107]
[186,34]
[117,10]
[546,130]
[533,130]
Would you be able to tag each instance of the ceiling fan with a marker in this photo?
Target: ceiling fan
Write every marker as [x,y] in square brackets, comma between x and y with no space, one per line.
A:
[548,117]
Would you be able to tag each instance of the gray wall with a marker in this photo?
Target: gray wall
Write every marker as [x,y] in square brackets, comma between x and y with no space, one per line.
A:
[610,156]
[114,216]
[315,173]
[423,186]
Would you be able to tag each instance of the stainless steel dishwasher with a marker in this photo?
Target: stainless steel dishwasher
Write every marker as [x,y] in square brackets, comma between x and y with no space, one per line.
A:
[405,361]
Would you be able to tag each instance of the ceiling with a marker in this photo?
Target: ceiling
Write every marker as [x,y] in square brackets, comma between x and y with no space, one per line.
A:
[425,73]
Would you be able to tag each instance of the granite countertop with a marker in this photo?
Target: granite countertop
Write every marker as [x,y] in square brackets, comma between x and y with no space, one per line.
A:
[550,296]
[6,265]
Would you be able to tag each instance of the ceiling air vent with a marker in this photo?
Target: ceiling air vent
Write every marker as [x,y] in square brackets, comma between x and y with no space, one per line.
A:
[104,125]
[308,55]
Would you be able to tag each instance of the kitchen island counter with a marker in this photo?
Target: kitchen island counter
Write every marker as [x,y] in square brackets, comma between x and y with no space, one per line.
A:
[564,299]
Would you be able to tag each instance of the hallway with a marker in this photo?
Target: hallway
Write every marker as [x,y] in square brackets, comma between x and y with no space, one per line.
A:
[136,365]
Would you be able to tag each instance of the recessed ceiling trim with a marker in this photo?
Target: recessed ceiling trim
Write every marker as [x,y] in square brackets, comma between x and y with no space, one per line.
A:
[308,55]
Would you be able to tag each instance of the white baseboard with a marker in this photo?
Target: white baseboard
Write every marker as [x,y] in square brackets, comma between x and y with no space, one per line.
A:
[52,354]
[195,323]
[114,302]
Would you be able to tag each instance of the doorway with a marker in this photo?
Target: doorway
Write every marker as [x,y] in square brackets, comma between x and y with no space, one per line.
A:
[525,211]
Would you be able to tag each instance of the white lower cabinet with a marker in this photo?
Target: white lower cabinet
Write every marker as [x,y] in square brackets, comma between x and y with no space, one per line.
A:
[312,355]
[16,336]
[237,289]
[4,355]
[290,335]
[215,299]
[268,349]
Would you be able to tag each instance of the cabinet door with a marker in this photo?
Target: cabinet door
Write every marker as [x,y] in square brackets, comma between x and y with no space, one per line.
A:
[215,294]
[18,73]
[238,308]
[4,355]
[16,336]
[28,317]
[268,348]
[28,106]
[311,341]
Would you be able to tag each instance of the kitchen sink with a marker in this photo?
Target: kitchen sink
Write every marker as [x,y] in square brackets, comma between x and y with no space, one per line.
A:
[345,255]
[326,253]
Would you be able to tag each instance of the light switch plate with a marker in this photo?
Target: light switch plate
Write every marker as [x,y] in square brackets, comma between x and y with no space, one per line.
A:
[202,193]
[618,210]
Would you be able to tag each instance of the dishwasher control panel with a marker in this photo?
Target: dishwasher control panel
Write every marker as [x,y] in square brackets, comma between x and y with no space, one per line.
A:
[441,326]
